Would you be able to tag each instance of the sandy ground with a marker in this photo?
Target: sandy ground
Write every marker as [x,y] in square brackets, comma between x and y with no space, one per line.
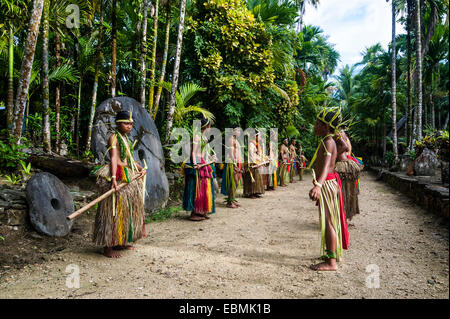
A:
[262,250]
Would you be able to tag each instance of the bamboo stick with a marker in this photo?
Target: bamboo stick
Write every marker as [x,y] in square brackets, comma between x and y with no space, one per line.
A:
[102,197]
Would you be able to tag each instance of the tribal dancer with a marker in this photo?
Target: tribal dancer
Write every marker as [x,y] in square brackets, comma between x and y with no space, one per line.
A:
[120,218]
[348,170]
[302,164]
[292,161]
[327,192]
[253,180]
[271,178]
[284,153]
[232,172]
[199,190]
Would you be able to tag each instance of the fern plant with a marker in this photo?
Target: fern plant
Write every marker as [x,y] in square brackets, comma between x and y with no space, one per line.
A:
[13,178]
[25,168]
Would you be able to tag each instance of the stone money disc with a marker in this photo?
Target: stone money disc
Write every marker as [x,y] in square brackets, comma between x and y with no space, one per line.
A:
[49,202]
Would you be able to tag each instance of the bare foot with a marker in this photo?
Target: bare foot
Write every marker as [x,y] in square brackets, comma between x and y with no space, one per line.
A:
[124,247]
[110,253]
[196,217]
[325,266]
[232,205]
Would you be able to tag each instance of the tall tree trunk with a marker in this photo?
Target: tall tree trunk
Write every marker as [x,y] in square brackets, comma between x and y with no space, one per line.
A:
[383,134]
[419,72]
[164,62]
[446,122]
[176,70]
[96,76]
[394,88]
[45,85]
[153,68]
[137,48]
[432,116]
[74,130]
[10,106]
[431,27]
[414,129]
[143,54]
[25,70]
[114,48]
[57,96]
[408,112]
[77,121]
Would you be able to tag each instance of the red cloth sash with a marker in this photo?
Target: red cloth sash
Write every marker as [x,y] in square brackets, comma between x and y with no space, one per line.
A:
[344,229]
[353,159]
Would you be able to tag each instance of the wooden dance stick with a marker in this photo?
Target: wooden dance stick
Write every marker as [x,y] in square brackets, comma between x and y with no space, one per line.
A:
[256,166]
[102,197]
[206,164]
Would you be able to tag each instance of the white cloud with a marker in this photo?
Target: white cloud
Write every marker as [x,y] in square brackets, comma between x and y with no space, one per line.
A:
[353,25]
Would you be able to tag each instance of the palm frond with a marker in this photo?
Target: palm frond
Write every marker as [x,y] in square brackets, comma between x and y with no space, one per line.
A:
[188,90]
[65,72]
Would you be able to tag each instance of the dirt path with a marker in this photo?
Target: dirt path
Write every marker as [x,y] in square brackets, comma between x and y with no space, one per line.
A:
[262,250]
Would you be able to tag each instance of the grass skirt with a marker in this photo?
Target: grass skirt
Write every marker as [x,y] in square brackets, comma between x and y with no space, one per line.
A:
[330,197]
[120,217]
[349,173]
[255,185]
[198,190]
[284,175]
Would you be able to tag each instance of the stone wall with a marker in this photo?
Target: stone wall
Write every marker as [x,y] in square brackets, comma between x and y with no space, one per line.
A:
[431,196]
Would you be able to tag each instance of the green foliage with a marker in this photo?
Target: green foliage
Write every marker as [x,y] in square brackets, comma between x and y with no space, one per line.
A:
[411,154]
[10,153]
[163,214]
[25,168]
[443,145]
[13,178]
[183,97]
[426,142]
[229,53]
[389,158]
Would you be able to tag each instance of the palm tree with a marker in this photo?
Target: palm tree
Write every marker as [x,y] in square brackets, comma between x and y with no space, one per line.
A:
[418,86]
[143,52]
[408,112]
[346,86]
[164,61]
[394,86]
[114,48]
[302,6]
[10,106]
[176,70]
[274,12]
[182,108]
[25,70]
[14,13]
[153,68]
[99,60]
[45,85]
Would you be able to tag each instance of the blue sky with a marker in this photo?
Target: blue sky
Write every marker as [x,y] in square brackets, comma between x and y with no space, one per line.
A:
[353,25]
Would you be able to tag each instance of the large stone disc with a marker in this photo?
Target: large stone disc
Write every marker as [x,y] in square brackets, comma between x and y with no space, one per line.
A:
[49,202]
